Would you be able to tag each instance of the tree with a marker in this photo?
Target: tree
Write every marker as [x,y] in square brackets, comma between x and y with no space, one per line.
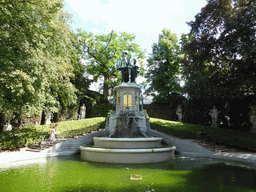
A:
[35,51]
[163,66]
[222,47]
[103,51]
[219,61]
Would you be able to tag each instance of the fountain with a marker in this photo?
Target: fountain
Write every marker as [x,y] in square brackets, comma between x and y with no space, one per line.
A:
[127,137]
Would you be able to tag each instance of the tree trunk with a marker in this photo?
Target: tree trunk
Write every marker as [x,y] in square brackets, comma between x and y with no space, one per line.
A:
[105,87]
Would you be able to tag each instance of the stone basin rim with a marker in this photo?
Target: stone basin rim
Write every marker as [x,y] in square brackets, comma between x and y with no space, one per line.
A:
[104,150]
[142,139]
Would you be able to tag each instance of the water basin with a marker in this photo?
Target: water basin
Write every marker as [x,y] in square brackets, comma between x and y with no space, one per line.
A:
[72,174]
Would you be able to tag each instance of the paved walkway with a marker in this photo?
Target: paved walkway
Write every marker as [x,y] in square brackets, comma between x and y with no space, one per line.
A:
[68,147]
[188,148]
[183,147]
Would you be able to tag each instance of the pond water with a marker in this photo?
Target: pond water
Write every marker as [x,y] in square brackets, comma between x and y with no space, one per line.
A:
[71,174]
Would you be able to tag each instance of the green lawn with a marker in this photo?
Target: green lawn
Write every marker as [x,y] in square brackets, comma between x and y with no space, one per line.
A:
[11,140]
[27,136]
[232,138]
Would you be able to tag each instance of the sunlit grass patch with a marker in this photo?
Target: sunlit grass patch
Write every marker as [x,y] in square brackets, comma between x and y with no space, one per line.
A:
[18,138]
[231,138]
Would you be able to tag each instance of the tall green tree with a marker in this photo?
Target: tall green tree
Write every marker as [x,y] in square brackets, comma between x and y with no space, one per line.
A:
[35,51]
[164,65]
[222,47]
[103,51]
[220,63]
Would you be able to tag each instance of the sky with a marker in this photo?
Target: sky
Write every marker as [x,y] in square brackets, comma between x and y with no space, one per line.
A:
[144,18]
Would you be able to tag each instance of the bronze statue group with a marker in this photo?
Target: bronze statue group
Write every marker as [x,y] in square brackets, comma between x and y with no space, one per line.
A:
[128,67]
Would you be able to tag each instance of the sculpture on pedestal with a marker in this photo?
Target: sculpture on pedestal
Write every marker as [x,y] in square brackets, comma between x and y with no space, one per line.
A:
[214,114]
[128,67]
[83,112]
[48,117]
[252,115]
[179,113]
[126,137]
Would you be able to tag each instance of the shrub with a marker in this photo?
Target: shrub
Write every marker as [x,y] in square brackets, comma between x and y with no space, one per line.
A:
[17,138]
[231,138]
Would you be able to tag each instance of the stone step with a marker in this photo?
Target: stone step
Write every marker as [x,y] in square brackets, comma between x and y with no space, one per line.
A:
[45,145]
[33,150]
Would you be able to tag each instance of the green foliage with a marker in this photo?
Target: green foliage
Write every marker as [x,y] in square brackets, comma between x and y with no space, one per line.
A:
[19,138]
[220,50]
[145,113]
[96,106]
[76,126]
[103,51]
[163,65]
[232,138]
[14,139]
[35,54]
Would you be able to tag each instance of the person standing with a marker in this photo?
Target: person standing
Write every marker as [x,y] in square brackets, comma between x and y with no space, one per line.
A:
[53,134]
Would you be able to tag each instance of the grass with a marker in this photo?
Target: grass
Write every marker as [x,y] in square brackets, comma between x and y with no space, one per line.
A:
[15,139]
[77,127]
[230,138]
[68,129]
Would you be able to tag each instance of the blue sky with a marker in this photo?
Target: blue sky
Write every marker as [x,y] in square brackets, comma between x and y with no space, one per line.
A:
[143,18]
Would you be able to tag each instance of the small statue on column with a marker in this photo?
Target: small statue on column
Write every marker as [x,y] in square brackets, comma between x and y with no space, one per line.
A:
[252,115]
[83,112]
[179,113]
[214,114]
[48,117]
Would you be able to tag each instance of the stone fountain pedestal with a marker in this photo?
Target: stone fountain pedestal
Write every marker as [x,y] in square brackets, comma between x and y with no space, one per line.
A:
[127,136]
[127,150]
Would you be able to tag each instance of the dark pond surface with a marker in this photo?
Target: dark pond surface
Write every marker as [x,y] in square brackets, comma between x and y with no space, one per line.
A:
[72,174]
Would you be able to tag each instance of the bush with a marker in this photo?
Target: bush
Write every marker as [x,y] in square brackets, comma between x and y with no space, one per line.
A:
[230,138]
[18,138]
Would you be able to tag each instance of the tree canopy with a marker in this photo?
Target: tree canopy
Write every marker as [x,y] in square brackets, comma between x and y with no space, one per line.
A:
[221,48]
[164,65]
[36,47]
[103,51]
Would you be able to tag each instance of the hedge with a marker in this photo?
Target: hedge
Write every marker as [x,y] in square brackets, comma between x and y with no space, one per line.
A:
[227,137]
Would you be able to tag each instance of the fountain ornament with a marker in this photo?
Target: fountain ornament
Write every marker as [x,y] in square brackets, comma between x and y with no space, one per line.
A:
[127,137]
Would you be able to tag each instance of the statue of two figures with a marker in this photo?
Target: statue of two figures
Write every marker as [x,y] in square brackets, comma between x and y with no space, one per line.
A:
[128,67]
[214,114]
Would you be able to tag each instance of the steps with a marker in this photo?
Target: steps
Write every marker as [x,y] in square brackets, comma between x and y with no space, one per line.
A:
[65,145]
[44,145]
[213,146]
